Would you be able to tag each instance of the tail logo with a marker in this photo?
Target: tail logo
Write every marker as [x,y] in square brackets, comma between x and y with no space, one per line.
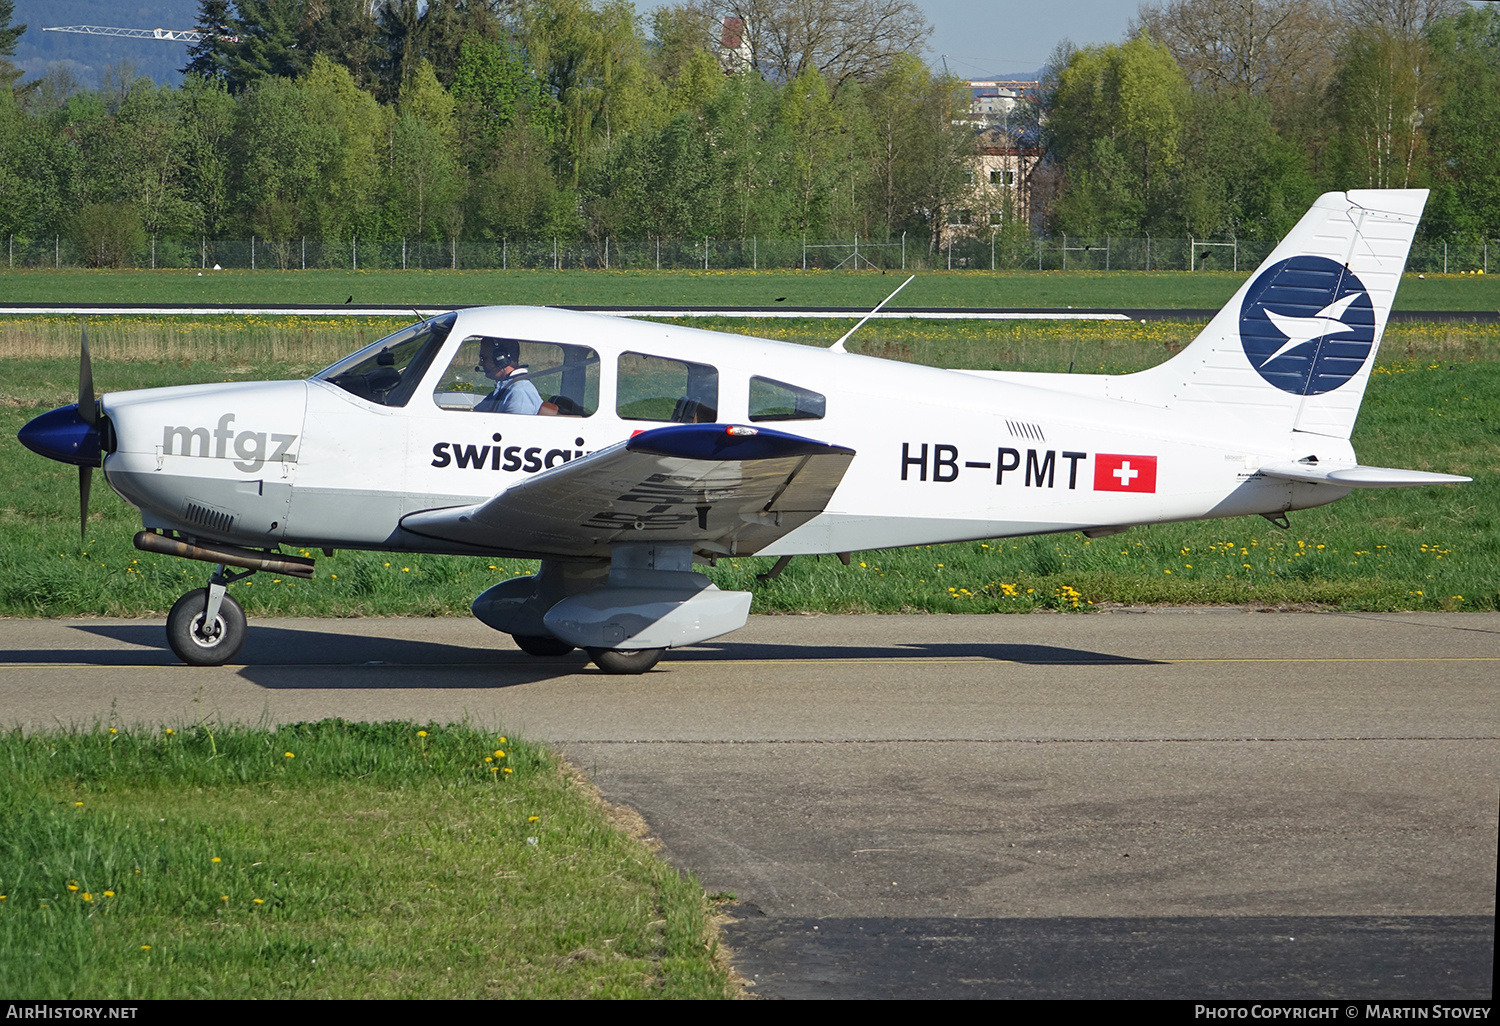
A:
[1307,325]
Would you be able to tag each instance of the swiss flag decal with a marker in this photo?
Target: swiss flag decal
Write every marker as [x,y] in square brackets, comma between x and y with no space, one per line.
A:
[1117,473]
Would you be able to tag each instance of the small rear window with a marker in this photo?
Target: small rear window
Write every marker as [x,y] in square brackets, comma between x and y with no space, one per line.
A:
[777,400]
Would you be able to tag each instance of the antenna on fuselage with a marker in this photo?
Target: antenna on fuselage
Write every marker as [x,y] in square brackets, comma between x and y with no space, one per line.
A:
[838,347]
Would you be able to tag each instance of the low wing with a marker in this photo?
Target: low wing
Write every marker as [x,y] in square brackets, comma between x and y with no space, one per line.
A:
[727,489]
[1359,477]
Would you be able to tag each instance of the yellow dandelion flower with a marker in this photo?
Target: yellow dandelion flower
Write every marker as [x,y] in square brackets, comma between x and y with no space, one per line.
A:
[289,755]
[499,753]
[169,731]
[257,901]
[508,769]
[87,896]
[503,741]
[72,885]
[421,733]
[78,805]
[489,758]
[109,894]
[112,730]
[145,947]
[532,819]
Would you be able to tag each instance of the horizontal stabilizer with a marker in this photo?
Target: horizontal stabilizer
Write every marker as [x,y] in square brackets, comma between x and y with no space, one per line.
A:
[1359,477]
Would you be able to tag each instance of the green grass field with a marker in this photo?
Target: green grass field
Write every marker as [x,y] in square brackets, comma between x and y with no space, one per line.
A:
[1434,403]
[328,860]
[1129,289]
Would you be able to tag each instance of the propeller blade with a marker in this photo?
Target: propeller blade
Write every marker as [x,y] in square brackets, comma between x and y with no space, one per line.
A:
[87,409]
[85,481]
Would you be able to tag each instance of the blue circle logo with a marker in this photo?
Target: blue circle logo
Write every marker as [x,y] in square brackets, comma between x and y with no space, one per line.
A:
[1307,325]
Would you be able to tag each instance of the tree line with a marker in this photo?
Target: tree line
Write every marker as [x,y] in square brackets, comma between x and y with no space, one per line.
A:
[574,119]
[1225,118]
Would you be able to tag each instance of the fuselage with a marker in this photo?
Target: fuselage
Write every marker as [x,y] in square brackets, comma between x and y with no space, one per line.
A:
[941,455]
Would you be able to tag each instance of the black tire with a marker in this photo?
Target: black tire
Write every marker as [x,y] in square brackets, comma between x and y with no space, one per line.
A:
[185,630]
[541,644]
[621,660]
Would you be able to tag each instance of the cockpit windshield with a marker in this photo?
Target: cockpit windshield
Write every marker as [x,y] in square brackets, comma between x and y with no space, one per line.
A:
[388,372]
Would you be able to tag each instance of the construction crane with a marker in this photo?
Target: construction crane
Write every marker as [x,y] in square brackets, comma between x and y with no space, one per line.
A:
[170,35]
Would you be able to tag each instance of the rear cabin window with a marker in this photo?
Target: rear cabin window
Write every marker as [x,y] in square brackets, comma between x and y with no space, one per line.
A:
[548,379]
[674,391]
[777,400]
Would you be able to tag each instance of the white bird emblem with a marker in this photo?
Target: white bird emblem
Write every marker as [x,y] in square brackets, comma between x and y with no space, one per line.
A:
[1326,322]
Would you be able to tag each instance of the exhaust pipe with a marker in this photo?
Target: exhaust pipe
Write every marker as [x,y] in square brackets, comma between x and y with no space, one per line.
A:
[229,555]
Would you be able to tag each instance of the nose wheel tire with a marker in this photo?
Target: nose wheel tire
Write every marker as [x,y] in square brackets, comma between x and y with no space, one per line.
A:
[620,660]
[541,645]
[199,646]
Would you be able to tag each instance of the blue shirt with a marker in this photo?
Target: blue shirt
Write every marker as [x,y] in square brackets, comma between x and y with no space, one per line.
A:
[512,394]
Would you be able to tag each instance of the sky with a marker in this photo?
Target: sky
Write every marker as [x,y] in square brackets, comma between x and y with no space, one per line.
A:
[1002,37]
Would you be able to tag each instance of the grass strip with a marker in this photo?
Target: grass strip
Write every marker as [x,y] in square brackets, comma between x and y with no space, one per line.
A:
[1115,289]
[327,859]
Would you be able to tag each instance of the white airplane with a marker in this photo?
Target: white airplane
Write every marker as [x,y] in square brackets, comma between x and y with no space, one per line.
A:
[632,451]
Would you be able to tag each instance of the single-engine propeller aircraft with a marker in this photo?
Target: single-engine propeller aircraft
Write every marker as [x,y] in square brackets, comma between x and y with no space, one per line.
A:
[622,453]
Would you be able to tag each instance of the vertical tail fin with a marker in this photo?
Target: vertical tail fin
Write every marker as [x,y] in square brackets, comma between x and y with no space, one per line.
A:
[1293,349]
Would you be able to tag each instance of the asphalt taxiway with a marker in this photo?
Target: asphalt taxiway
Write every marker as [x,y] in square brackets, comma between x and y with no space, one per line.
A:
[1207,803]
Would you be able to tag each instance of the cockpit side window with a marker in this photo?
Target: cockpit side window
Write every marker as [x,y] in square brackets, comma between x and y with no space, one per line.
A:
[490,374]
[777,400]
[388,372]
[657,388]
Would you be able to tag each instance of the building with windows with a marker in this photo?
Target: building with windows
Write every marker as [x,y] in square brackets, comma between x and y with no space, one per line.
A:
[998,184]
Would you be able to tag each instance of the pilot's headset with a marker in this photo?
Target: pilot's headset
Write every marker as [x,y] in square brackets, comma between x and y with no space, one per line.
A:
[504,352]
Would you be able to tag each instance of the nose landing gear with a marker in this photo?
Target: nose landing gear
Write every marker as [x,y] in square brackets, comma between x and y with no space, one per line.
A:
[207,627]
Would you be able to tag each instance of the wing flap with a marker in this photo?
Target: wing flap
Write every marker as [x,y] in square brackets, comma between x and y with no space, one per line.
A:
[1359,476]
[727,489]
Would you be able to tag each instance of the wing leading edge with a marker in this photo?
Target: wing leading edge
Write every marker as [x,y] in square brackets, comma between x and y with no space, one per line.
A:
[726,489]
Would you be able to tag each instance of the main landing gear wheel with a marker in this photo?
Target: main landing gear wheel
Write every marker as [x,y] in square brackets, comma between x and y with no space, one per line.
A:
[621,660]
[541,644]
[198,646]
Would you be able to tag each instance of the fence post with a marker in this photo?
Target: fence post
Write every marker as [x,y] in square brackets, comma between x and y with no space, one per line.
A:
[1445,256]
[354,251]
[12,252]
[1192,253]
[992,249]
[1065,251]
[504,254]
[403,252]
[903,251]
[555,265]
[1148,251]
[153,252]
[705,253]
[606,252]
[658,252]
[252,252]
[755,252]
[57,254]
[804,251]
[203,254]
[1106,251]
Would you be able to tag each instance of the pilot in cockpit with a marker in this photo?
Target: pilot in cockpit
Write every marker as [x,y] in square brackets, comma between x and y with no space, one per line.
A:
[500,360]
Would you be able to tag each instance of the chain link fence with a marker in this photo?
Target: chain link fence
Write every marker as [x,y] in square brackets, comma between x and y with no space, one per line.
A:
[997,252]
